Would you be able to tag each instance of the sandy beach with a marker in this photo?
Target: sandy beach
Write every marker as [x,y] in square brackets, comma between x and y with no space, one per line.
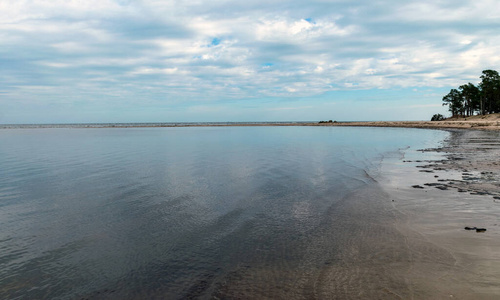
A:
[487,122]
[435,199]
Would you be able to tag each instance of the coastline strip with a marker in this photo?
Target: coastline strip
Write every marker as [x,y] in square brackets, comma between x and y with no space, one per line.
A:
[465,123]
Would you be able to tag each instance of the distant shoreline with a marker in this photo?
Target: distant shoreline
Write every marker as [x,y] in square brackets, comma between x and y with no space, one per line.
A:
[489,122]
[458,124]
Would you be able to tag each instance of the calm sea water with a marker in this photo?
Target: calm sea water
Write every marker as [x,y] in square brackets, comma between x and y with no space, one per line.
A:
[206,212]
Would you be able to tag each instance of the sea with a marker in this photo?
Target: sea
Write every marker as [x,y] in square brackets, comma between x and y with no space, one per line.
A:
[211,212]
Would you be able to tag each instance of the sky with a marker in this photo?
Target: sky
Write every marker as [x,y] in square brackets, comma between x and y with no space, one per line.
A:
[95,61]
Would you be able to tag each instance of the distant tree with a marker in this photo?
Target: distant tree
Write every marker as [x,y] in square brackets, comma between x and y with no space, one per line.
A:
[471,98]
[454,101]
[490,92]
[437,117]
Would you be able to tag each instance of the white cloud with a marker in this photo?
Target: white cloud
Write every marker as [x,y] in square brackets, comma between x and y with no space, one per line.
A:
[446,11]
[71,47]
[150,71]
[54,64]
[296,31]
[319,69]
[215,50]
[481,55]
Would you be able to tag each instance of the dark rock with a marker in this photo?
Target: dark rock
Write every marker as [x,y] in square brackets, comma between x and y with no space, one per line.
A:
[438,185]
[476,229]
[416,186]
[479,193]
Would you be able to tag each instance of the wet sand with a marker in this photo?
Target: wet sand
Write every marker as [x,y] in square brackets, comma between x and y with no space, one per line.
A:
[434,199]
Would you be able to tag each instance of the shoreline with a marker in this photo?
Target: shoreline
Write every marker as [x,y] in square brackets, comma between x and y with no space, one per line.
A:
[465,124]
[475,123]
[435,196]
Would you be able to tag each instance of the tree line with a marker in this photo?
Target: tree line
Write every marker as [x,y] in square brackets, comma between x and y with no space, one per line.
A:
[470,99]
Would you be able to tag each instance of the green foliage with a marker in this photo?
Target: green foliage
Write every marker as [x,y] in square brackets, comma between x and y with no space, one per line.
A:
[454,101]
[469,99]
[437,117]
[490,91]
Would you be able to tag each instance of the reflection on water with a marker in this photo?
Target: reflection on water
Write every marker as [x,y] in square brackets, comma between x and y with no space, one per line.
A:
[231,212]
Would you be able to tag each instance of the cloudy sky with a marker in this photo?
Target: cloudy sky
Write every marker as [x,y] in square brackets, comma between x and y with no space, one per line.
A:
[68,61]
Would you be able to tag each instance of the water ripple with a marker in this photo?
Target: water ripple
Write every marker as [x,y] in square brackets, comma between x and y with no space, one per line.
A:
[184,213]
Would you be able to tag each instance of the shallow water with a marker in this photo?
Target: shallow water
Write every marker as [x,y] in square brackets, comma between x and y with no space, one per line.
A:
[459,183]
[227,212]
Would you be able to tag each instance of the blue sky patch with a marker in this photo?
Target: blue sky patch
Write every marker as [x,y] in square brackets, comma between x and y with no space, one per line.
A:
[215,42]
